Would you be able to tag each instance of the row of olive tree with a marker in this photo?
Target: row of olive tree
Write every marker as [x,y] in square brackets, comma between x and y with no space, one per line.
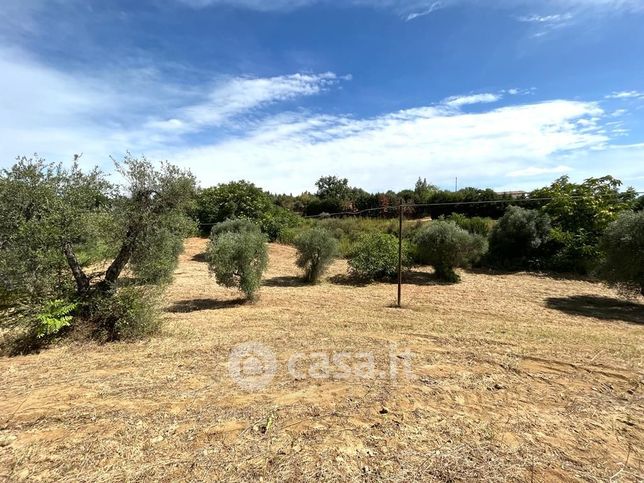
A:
[68,235]
[237,254]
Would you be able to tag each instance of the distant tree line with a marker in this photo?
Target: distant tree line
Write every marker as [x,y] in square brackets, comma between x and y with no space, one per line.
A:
[335,195]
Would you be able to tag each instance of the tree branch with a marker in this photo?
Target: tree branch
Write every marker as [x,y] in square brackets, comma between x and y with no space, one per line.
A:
[118,264]
[82,280]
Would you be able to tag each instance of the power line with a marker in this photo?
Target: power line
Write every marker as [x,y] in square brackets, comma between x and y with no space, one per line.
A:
[427,205]
[446,203]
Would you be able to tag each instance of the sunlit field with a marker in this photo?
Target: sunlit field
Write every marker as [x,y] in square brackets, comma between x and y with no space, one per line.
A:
[513,377]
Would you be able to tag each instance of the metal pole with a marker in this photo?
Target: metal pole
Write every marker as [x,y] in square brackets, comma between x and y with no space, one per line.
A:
[400,224]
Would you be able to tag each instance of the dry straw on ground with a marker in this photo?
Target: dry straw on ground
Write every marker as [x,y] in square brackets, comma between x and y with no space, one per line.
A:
[519,377]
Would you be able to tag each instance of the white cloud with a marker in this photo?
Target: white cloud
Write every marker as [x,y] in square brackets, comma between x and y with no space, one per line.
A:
[434,6]
[410,7]
[556,18]
[236,96]
[58,114]
[626,95]
[459,101]
[536,171]
[288,152]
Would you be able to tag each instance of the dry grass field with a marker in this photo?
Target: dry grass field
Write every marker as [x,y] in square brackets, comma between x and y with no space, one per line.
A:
[516,377]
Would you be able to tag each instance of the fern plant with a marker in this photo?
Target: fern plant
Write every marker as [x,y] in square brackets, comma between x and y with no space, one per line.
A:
[55,315]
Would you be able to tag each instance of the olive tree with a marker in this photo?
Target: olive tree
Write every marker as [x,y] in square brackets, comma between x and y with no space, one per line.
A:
[57,223]
[446,246]
[316,250]
[237,255]
[374,256]
[517,237]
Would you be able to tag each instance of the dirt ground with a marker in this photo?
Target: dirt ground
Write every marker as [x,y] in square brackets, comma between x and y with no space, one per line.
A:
[515,377]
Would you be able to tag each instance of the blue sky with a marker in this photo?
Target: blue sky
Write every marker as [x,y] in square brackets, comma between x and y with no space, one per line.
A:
[508,94]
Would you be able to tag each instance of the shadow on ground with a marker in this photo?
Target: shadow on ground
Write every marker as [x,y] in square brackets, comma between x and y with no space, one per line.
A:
[199,257]
[287,281]
[195,305]
[20,343]
[413,277]
[350,280]
[605,308]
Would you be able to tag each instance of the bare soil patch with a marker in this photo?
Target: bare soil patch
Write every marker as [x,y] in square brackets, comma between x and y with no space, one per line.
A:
[518,377]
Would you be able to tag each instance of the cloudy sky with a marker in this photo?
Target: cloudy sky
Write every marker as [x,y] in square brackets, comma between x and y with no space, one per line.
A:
[508,94]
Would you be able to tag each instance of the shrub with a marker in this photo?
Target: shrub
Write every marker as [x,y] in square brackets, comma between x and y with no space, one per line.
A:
[56,315]
[446,246]
[130,313]
[288,235]
[349,230]
[580,213]
[375,256]
[623,248]
[233,225]
[238,259]
[166,237]
[517,237]
[316,251]
[277,220]
[238,199]
[476,224]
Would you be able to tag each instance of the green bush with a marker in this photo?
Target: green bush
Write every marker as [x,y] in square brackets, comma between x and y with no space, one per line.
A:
[475,224]
[130,313]
[238,259]
[157,266]
[445,246]
[374,256]
[316,251]
[277,220]
[580,213]
[623,249]
[244,200]
[233,225]
[238,199]
[517,238]
[56,315]
[349,230]
[288,235]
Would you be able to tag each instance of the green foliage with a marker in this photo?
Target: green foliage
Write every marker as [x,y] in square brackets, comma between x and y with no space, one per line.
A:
[316,251]
[639,204]
[517,238]
[475,224]
[244,200]
[238,259]
[129,313]
[55,223]
[349,230]
[40,206]
[374,256]
[288,235]
[55,315]
[445,246]
[156,257]
[233,225]
[277,220]
[238,199]
[332,187]
[579,215]
[623,247]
